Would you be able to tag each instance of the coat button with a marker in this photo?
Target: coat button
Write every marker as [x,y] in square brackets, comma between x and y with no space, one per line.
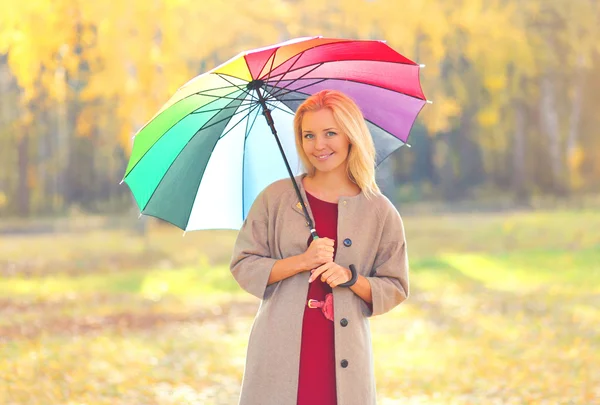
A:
[347,242]
[344,322]
[344,363]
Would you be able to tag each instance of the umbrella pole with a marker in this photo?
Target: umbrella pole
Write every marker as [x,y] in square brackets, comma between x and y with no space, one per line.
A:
[269,117]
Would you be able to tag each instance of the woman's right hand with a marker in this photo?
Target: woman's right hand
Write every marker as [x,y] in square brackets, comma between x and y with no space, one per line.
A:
[318,253]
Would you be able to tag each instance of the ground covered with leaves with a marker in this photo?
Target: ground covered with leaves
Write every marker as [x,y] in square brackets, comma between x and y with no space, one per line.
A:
[504,309]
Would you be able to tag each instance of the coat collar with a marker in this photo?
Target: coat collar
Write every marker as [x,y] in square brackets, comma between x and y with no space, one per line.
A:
[296,206]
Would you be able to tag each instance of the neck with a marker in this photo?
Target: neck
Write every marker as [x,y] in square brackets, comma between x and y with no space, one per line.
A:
[333,184]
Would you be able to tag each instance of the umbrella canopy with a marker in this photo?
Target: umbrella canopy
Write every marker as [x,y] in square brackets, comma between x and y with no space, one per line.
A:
[200,162]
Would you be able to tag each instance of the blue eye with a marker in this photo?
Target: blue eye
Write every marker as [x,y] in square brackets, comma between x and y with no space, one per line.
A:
[330,133]
[308,136]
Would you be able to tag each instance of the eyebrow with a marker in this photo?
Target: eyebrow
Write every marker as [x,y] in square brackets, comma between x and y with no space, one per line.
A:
[326,129]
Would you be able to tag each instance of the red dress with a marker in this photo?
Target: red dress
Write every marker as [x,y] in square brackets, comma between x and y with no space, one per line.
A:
[316,380]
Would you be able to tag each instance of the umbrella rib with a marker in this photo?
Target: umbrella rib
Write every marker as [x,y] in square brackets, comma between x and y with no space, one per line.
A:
[204,92]
[216,88]
[186,97]
[173,161]
[224,119]
[199,129]
[345,60]
[244,156]
[284,101]
[328,43]
[200,111]
[288,110]
[321,79]
[220,137]
[251,126]
[240,88]
[212,95]
[280,89]
[287,71]
[272,57]
[178,121]
[294,99]
[249,110]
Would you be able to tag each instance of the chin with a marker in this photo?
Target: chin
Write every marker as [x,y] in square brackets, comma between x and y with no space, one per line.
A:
[325,167]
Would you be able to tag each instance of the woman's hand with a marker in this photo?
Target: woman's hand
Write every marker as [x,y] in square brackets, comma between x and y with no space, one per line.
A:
[332,274]
[319,252]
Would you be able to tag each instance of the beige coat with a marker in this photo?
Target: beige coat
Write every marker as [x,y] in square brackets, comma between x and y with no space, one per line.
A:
[276,228]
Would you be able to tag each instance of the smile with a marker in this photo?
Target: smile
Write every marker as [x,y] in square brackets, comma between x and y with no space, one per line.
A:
[324,157]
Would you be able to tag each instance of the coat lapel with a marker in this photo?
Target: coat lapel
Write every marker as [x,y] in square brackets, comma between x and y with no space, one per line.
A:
[297,205]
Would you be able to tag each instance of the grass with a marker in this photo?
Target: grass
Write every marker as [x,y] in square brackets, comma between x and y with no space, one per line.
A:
[503,309]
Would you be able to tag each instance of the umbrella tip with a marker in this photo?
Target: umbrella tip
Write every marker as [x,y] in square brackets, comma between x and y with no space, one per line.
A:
[409,145]
[121,182]
[183,234]
[421,65]
[139,216]
[429,102]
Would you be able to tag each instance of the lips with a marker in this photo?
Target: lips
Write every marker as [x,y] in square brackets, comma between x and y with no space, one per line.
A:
[323,157]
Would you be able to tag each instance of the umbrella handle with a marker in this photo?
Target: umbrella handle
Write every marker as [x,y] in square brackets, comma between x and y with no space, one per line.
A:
[352,280]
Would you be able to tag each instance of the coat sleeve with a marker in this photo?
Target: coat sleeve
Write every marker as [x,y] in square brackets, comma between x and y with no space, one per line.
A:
[389,276]
[251,263]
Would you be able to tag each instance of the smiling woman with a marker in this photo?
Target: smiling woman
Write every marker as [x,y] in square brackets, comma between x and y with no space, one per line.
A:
[333,138]
[310,342]
[325,147]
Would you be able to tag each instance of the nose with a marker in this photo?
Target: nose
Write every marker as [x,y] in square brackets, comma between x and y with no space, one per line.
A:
[320,143]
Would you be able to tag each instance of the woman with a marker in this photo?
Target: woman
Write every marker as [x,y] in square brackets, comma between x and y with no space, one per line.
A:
[304,347]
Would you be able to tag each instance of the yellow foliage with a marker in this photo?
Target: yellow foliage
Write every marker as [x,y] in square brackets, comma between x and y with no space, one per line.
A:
[488,117]
[437,117]
[138,53]
[85,122]
[574,162]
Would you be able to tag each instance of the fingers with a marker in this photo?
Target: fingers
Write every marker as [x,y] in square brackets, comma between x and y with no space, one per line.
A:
[325,256]
[334,282]
[323,248]
[328,242]
[324,242]
[324,253]
[320,251]
[335,275]
[318,271]
[331,273]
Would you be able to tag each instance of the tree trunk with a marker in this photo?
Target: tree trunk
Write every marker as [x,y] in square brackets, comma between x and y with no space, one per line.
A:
[61,144]
[519,171]
[445,170]
[5,80]
[471,170]
[574,122]
[23,191]
[549,122]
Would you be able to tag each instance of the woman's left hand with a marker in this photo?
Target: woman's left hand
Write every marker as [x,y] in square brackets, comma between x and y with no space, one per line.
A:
[331,273]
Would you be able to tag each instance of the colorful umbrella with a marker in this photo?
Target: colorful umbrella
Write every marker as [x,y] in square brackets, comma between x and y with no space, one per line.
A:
[200,162]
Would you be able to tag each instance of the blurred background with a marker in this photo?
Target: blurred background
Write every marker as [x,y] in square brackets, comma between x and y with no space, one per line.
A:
[500,195]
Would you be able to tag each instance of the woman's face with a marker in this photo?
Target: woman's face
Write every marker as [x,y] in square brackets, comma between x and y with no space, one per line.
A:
[323,142]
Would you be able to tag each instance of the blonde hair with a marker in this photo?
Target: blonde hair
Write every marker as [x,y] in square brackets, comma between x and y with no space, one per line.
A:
[361,157]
